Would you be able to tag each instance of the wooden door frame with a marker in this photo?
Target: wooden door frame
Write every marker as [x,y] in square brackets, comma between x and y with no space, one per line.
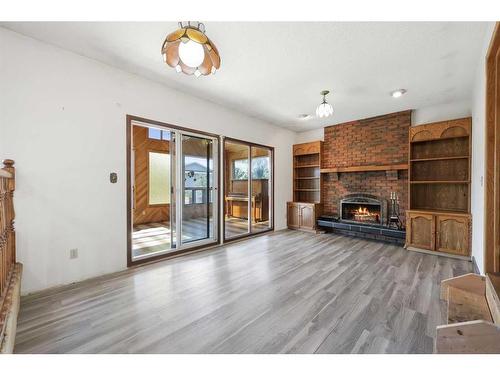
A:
[492,159]
[224,188]
[129,124]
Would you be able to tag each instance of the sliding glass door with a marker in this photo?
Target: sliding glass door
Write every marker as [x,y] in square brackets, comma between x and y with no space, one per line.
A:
[173,185]
[198,186]
[261,186]
[248,188]
[237,189]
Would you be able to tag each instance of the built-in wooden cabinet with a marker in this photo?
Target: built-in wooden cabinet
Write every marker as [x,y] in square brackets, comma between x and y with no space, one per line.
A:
[453,234]
[306,206]
[420,230]
[306,172]
[293,215]
[303,216]
[439,217]
[441,232]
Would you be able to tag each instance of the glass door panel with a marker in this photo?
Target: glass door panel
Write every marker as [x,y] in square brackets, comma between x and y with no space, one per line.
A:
[237,189]
[198,186]
[261,186]
[151,176]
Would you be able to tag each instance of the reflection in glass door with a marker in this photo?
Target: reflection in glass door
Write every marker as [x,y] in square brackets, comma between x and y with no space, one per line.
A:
[248,194]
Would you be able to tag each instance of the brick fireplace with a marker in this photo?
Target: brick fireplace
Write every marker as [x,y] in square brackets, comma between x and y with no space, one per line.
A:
[376,141]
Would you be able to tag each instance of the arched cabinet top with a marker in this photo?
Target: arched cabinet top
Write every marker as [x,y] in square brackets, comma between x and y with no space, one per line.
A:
[441,130]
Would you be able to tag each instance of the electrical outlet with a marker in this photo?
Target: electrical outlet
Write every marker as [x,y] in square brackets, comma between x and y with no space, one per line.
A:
[73,253]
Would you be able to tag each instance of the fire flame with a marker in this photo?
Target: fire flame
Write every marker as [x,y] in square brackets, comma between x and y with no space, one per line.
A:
[363,211]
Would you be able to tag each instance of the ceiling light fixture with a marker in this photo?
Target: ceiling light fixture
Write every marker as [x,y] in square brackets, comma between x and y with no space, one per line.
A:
[398,93]
[324,109]
[189,50]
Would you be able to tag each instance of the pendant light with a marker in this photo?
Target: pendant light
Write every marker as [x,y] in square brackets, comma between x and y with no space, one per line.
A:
[324,109]
[189,50]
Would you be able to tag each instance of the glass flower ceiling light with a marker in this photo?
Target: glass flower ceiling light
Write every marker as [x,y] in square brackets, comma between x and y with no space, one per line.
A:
[189,50]
[324,109]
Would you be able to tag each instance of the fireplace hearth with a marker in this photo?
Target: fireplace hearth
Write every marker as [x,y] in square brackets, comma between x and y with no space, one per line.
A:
[363,215]
[363,208]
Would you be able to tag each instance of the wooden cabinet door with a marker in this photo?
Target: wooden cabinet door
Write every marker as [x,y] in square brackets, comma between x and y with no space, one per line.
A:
[420,230]
[308,216]
[293,215]
[452,234]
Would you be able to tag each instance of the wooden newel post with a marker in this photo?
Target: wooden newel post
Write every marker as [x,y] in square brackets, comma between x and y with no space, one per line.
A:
[9,167]
[7,203]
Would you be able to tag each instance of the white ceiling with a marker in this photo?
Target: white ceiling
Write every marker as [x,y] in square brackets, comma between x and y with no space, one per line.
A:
[275,71]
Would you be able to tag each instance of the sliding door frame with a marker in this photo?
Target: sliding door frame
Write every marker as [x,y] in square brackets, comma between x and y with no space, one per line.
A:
[225,187]
[130,119]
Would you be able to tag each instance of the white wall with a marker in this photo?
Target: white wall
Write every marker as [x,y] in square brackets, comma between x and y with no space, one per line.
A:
[441,112]
[62,119]
[310,136]
[478,153]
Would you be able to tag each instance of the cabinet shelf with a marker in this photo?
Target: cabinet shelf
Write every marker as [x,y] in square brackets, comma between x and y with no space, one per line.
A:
[440,158]
[306,189]
[307,178]
[307,166]
[440,182]
[439,139]
[439,211]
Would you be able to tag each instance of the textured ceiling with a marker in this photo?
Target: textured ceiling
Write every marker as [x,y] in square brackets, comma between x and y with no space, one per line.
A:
[275,71]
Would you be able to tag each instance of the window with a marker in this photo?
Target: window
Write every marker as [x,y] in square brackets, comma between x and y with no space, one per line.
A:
[159,178]
[188,196]
[260,168]
[198,196]
[161,135]
[240,169]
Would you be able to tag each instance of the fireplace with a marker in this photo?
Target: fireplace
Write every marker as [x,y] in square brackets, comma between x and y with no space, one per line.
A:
[363,209]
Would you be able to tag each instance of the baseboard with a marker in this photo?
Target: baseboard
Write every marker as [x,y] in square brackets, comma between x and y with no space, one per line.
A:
[437,253]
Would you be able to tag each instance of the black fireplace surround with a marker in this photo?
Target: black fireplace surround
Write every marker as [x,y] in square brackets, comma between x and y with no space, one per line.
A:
[361,208]
[363,215]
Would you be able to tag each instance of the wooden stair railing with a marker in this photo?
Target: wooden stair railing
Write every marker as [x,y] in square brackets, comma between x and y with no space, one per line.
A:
[10,270]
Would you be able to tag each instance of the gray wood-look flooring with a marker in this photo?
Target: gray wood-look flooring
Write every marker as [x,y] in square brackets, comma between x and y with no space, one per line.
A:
[285,292]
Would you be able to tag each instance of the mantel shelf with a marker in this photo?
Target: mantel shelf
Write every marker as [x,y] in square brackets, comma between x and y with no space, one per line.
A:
[365,168]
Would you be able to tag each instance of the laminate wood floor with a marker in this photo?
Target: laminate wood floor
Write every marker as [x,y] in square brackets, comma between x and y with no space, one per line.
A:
[285,292]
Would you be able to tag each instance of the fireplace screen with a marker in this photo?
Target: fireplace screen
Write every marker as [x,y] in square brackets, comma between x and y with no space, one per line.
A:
[362,209]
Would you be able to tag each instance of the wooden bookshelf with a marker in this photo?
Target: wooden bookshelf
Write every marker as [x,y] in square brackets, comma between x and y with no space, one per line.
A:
[306,172]
[306,205]
[439,218]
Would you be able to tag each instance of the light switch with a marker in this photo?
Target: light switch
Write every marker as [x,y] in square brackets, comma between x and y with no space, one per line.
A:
[113,177]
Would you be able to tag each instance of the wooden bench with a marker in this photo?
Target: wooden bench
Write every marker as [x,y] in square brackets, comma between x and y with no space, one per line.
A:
[473,313]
